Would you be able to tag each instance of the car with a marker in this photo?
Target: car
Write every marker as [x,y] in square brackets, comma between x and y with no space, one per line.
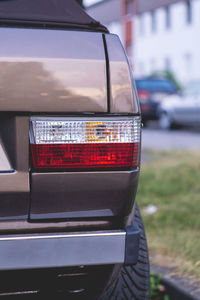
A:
[151,92]
[182,109]
[70,145]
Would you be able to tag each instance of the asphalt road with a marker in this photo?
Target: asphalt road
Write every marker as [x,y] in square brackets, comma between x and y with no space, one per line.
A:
[182,139]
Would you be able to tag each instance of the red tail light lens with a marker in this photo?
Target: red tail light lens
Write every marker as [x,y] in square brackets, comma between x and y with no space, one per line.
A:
[143,95]
[85,155]
[68,144]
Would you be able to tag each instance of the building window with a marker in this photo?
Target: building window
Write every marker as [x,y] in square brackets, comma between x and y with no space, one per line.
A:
[142,68]
[153,65]
[142,24]
[153,21]
[168,65]
[188,11]
[168,17]
[188,63]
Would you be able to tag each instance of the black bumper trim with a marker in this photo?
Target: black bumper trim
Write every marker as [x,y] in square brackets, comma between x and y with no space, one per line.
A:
[132,245]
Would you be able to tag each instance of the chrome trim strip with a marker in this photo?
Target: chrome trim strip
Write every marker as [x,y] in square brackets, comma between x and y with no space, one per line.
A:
[37,237]
[61,250]
[22,293]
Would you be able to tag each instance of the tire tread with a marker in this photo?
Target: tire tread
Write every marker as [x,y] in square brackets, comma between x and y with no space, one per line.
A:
[133,281]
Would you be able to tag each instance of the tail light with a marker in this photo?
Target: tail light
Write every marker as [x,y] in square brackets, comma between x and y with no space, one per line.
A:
[68,143]
[143,95]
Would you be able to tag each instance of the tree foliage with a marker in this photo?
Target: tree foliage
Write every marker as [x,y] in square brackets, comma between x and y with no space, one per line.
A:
[168,75]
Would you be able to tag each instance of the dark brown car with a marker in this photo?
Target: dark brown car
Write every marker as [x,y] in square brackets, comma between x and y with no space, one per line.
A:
[70,132]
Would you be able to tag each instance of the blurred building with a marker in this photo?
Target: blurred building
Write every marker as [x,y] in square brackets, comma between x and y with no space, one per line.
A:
[157,34]
[108,12]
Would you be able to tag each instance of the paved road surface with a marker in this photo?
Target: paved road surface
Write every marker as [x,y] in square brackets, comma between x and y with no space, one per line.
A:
[156,139]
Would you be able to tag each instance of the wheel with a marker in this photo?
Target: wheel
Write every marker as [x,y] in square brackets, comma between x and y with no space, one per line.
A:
[165,121]
[132,282]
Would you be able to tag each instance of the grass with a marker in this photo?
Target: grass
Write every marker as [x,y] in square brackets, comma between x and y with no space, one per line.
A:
[171,181]
[158,291]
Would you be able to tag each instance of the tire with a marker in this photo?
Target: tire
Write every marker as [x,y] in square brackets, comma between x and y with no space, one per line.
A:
[144,122]
[165,122]
[133,281]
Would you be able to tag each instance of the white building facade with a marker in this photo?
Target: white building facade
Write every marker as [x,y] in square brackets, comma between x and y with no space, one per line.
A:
[165,34]
[168,38]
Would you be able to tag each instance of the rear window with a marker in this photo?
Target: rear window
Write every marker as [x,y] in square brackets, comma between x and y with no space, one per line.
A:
[155,85]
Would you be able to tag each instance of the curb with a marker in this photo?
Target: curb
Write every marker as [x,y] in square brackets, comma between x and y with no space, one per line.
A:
[176,288]
[177,292]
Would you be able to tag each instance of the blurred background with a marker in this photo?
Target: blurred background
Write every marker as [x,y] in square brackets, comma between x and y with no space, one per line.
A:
[162,41]
[157,34]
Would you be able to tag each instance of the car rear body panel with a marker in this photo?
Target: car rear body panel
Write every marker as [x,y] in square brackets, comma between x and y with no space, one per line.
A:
[122,95]
[52,71]
[14,183]
[68,73]
[82,194]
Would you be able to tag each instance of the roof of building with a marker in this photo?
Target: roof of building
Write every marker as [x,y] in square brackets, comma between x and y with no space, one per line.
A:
[47,13]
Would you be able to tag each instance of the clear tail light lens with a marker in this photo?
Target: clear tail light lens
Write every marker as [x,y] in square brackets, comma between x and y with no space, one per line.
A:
[81,143]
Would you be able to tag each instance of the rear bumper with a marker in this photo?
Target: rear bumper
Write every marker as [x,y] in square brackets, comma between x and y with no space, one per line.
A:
[66,250]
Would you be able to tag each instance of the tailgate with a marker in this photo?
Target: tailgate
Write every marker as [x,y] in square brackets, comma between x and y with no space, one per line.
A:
[52,71]
[61,74]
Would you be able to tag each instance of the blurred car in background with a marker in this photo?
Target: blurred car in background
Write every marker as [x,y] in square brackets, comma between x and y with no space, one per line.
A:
[151,91]
[181,109]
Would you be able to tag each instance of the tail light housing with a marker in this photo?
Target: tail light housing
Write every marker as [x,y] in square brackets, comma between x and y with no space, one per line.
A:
[71,143]
[143,95]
